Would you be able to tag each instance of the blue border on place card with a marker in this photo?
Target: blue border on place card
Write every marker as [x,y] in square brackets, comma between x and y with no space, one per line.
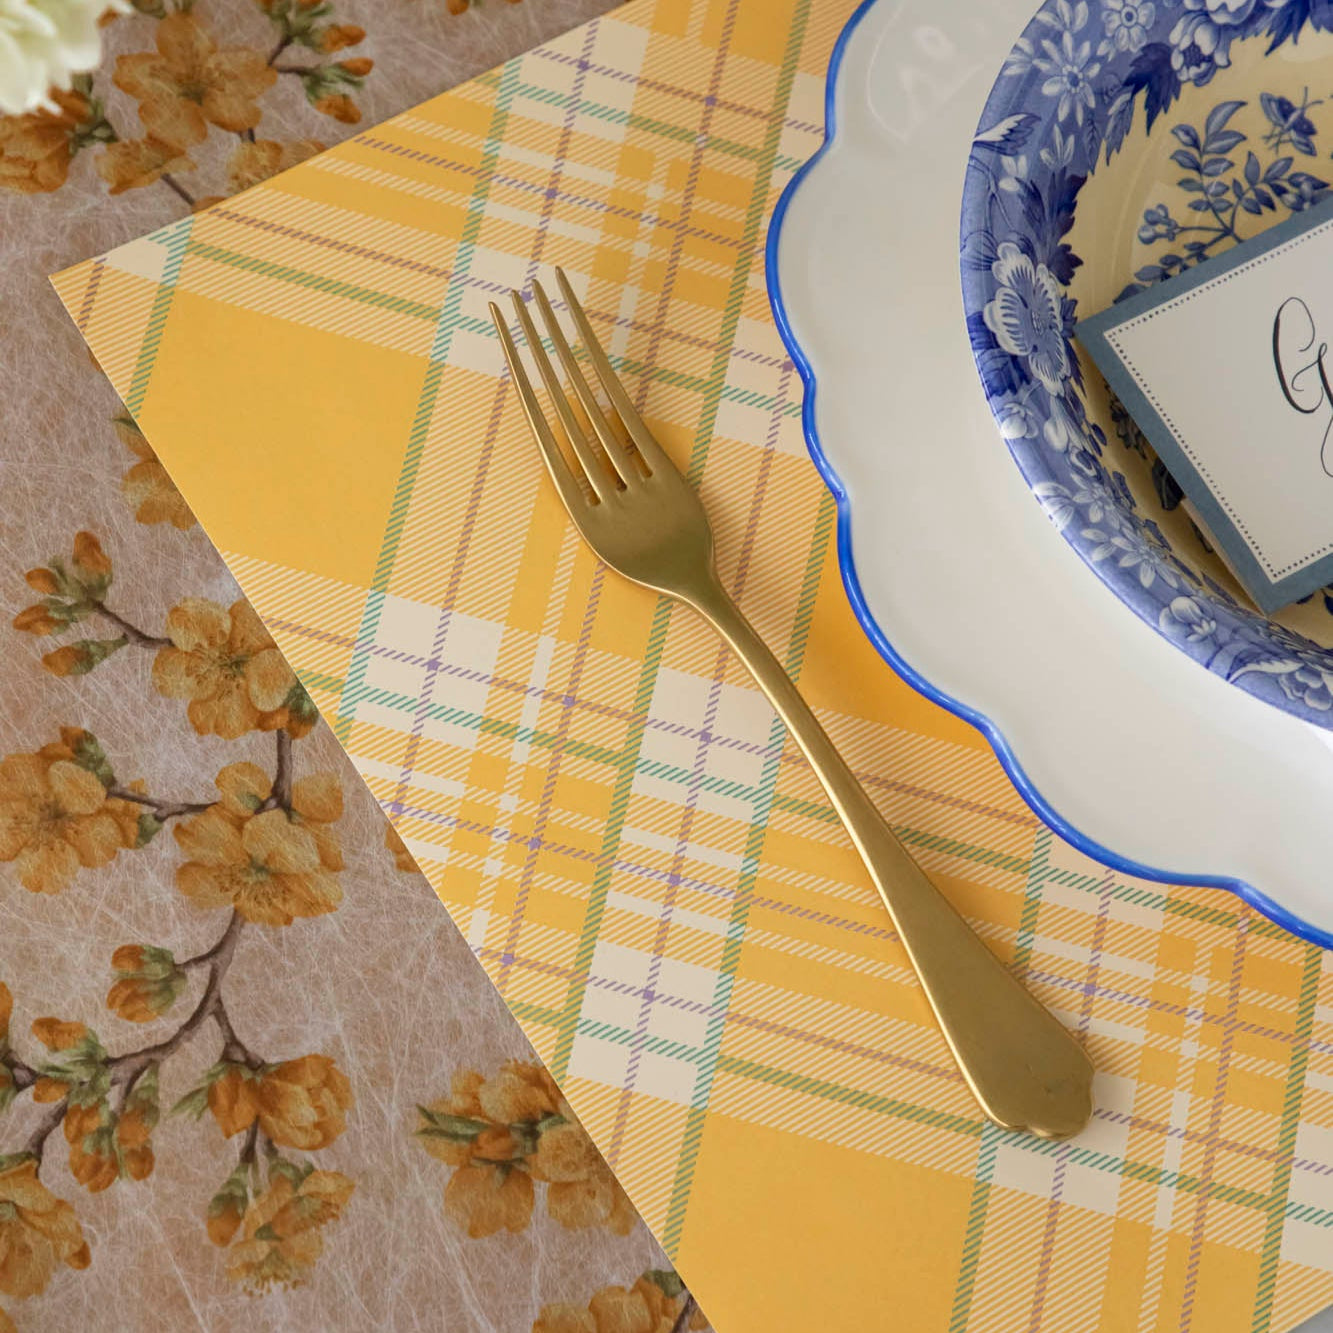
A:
[1093,333]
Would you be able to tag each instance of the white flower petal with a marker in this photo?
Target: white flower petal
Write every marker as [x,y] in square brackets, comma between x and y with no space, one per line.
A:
[43,43]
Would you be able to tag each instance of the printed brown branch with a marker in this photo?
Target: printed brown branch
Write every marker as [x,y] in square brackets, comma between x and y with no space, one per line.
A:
[36,1143]
[172,183]
[162,810]
[281,795]
[23,1075]
[127,1068]
[686,1312]
[234,1050]
[247,1157]
[199,959]
[132,632]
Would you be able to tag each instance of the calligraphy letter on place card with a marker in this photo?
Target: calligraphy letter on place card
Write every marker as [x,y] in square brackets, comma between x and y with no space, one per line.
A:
[1228,370]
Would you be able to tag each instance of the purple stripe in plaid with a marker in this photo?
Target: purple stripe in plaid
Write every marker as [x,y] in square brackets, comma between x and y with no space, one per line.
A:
[595,707]
[1216,1106]
[1051,1223]
[648,994]
[641,80]
[311,238]
[498,178]
[494,289]
[1158,1006]
[693,792]
[528,870]
[422,710]
[434,664]
[1049,979]
[666,294]
[1250,1150]
[787,753]
[90,294]
[620,863]
[946,1071]
[648,872]
[427,401]
[574,1000]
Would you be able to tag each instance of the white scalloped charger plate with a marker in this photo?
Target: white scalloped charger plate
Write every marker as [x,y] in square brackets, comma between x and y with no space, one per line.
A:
[1135,754]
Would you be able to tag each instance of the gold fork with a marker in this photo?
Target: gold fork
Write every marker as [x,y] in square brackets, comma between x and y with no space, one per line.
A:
[643,519]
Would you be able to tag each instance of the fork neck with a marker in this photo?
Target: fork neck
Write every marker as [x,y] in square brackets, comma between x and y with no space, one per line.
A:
[712,601]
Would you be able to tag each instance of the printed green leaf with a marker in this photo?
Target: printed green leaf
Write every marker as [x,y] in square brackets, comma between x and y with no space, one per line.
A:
[441,1125]
[300,705]
[668,1280]
[234,1193]
[144,1097]
[193,1104]
[296,1172]
[89,754]
[149,827]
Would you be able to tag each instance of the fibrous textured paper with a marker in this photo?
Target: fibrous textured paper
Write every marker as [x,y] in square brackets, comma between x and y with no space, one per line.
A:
[599,795]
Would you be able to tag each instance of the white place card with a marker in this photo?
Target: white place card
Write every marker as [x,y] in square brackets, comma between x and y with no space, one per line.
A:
[1228,370]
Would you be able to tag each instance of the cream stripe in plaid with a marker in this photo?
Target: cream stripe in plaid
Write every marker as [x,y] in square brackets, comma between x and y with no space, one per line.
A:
[613,816]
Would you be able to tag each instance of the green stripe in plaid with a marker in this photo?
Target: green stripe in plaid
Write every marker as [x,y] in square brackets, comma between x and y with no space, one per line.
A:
[1291,1114]
[444,332]
[175,239]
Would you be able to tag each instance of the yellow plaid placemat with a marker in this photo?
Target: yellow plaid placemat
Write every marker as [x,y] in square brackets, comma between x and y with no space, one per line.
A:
[605,804]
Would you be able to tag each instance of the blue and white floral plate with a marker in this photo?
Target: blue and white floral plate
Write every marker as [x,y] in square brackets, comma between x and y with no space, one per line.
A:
[1123,142]
[1113,735]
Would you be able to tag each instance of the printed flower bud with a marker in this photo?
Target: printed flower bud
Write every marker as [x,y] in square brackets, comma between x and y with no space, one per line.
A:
[340,107]
[231,1098]
[72,660]
[57,1035]
[141,1000]
[38,1232]
[90,557]
[224,1216]
[42,581]
[147,985]
[49,1089]
[37,620]
[340,35]
[134,1138]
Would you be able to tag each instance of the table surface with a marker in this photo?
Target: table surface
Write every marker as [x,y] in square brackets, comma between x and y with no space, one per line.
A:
[345,985]
[595,790]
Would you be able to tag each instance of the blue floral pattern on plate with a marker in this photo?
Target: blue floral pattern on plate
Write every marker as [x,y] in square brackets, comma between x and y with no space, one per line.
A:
[1088,80]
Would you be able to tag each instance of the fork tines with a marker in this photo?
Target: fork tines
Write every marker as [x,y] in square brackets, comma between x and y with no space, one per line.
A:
[610,468]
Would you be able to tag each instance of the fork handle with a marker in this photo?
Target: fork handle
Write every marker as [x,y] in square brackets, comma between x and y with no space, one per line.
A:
[1027,1071]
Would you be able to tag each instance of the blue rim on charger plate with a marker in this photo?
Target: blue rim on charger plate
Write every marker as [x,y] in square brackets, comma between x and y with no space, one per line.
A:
[1249,893]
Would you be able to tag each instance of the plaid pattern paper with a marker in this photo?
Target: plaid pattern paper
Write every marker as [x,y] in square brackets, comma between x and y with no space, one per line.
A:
[604,802]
